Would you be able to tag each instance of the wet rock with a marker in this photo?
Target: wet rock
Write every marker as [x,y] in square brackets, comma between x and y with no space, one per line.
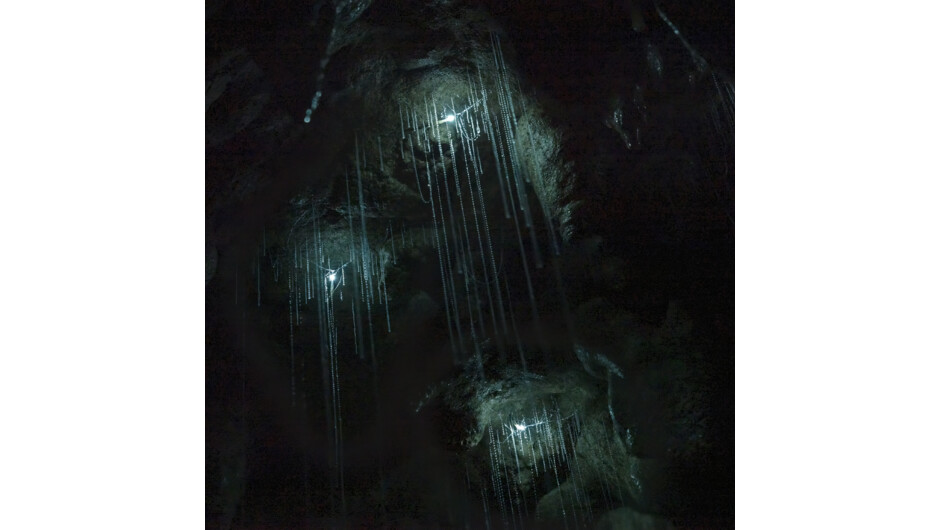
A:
[212,261]
[559,505]
[422,307]
[236,94]
[628,519]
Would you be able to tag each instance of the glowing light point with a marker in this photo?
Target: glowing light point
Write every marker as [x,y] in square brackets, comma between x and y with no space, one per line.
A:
[520,427]
[332,277]
[450,118]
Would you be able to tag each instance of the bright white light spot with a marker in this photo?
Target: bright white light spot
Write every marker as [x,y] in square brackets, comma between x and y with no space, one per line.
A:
[450,118]
[520,427]
[332,276]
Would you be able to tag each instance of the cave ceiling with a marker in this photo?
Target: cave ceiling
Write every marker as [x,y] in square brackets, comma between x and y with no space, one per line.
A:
[470,223]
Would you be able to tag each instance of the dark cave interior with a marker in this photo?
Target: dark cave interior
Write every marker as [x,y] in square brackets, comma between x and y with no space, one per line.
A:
[469,264]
